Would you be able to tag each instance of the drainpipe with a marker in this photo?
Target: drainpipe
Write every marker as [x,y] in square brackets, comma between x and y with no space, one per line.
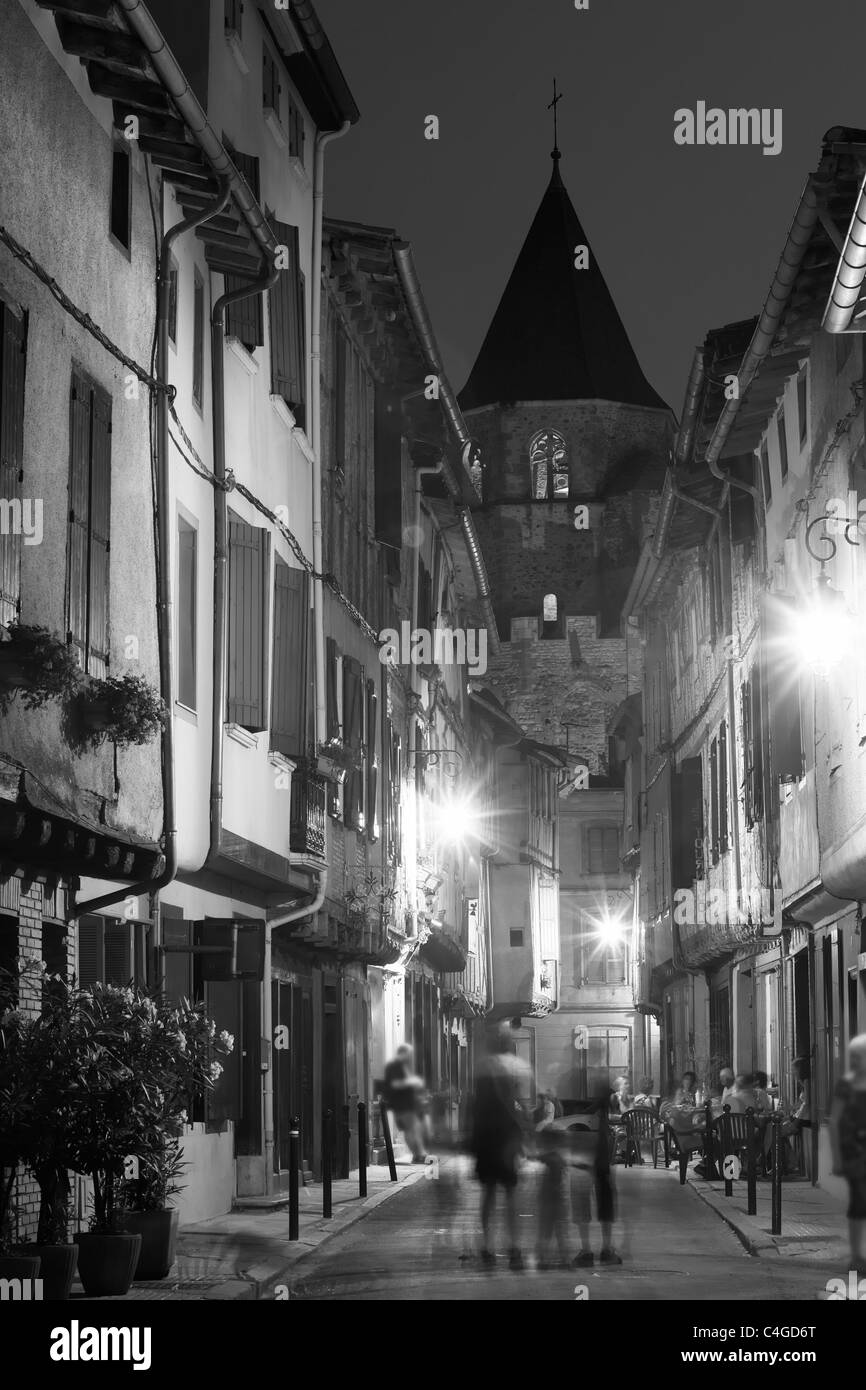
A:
[686,432]
[776,302]
[322,139]
[220,587]
[165,617]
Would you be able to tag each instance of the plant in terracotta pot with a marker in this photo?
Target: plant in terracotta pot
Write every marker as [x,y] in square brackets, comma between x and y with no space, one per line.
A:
[38,665]
[145,1210]
[124,709]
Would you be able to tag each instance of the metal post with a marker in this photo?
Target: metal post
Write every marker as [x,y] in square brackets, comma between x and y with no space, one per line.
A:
[726,1144]
[709,1145]
[327,1202]
[362,1149]
[343,1164]
[389,1146]
[294,1175]
[776,1227]
[752,1156]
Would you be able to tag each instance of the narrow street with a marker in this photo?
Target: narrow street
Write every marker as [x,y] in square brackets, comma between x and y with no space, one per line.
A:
[419,1246]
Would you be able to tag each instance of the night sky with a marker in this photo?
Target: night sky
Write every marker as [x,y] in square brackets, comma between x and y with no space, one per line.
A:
[687,237]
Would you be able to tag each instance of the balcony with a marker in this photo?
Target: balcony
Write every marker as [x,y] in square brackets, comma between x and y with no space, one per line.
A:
[307,825]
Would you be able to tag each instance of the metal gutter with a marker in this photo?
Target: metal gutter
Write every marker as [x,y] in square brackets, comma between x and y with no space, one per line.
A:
[799,236]
[847,284]
[458,488]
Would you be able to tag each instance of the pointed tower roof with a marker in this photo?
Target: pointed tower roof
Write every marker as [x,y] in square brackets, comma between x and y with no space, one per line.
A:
[556,334]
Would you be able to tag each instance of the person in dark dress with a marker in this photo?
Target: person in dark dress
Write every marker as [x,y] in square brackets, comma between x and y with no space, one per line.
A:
[499,1121]
[848,1129]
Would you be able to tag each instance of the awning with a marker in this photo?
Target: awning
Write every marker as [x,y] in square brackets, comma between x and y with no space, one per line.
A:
[442,953]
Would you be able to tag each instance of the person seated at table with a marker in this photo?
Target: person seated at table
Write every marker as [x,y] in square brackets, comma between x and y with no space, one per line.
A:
[644,1095]
[685,1096]
[620,1100]
[763,1103]
[726,1082]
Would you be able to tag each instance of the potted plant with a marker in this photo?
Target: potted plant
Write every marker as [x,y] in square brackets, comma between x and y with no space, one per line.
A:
[36,663]
[17,1105]
[144,1208]
[124,709]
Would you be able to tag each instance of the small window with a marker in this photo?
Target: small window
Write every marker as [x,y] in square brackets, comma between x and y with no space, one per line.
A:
[516,938]
[803,405]
[551,617]
[120,188]
[602,846]
[187,595]
[270,83]
[297,134]
[198,340]
[765,474]
[783,445]
[172,302]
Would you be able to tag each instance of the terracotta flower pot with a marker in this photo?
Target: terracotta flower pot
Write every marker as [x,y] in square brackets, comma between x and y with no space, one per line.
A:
[58,1270]
[158,1231]
[19,1266]
[106,1262]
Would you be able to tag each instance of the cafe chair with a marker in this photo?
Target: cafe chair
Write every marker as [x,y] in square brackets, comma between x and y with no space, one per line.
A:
[642,1126]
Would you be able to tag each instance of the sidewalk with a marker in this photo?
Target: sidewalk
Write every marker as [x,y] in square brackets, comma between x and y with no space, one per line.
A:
[247,1254]
[814,1227]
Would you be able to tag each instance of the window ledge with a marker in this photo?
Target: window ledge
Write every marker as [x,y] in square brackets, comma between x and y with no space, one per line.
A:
[277,759]
[236,48]
[303,443]
[296,164]
[243,736]
[283,411]
[274,125]
[243,354]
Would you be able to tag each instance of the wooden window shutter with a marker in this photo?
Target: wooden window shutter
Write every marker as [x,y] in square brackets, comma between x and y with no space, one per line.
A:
[13,358]
[90,968]
[748,751]
[687,824]
[714,799]
[388,456]
[353,728]
[756,725]
[786,735]
[245,318]
[333,705]
[177,966]
[372,760]
[198,339]
[118,965]
[100,524]
[291,609]
[287,326]
[249,563]
[723,786]
[79,517]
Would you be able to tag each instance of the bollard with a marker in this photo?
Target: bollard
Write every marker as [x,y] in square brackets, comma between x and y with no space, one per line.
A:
[389,1147]
[362,1149]
[294,1175]
[776,1226]
[327,1163]
[726,1146]
[752,1157]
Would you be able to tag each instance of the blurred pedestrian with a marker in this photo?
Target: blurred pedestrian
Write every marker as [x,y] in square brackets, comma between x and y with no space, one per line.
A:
[499,1123]
[590,1170]
[552,1196]
[404,1095]
[645,1097]
[848,1131]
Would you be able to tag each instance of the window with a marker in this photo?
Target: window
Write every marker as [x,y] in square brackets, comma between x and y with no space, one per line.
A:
[13,361]
[803,404]
[335,691]
[339,349]
[120,195]
[687,824]
[354,722]
[187,599]
[233,16]
[765,474]
[112,952]
[602,849]
[372,761]
[297,134]
[783,693]
[552,620]
[291,615]
[783,445]
[172,301]
[604,963]
[388,466]
[515,938]
[548,463]
[245,318]
[87,574]
[198,339]
[249,567]
[607,1056]
[270,83]
[392,784]
[719,793]
[286,309]
[753,752]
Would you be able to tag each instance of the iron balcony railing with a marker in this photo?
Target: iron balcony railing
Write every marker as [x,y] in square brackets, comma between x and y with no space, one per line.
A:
[307,828]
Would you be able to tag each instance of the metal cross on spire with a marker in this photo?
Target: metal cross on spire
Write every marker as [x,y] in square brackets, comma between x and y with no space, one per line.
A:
[557,97]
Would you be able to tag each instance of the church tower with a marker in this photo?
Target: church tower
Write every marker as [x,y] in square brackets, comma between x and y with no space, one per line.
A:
[574,446]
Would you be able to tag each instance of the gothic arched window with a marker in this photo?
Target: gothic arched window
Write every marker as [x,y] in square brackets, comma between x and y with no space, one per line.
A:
[548,464]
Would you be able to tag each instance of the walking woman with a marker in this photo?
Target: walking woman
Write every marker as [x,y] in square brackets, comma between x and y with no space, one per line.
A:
[499,1123]
[848,1129]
